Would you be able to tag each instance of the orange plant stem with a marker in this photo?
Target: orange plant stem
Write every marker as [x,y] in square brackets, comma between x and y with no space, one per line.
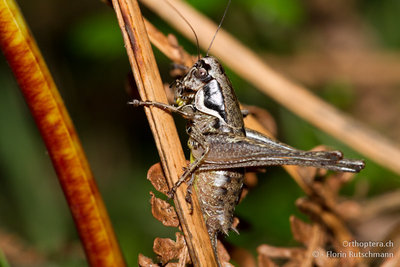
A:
[59,135]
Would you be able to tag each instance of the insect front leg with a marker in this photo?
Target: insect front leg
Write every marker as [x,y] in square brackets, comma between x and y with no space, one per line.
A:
[185,111]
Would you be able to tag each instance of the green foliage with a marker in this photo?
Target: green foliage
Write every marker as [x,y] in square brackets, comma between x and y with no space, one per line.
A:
[384,16]
[264,213]
[3,260]
[286,13]
[97,37]
[34,203]
[339,93]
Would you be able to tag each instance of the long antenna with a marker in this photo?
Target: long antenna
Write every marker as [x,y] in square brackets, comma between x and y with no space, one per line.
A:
[219,26]
[187,22]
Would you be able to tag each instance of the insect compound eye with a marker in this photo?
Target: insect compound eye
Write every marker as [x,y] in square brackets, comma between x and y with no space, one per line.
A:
[200,73]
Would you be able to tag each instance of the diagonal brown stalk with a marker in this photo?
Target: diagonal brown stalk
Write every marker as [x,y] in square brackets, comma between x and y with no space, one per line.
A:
[293,96]
[58,133]
[161,123]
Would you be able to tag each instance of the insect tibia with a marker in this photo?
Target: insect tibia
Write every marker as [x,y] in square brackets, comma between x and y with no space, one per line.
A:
[185,111]
[137,103]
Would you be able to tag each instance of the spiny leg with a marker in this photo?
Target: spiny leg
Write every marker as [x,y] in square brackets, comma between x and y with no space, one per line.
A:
[137,103]
[189,192]
[196,135]
[192,167]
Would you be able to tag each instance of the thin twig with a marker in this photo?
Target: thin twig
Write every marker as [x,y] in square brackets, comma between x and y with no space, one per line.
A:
[374,69]
[60,137]
[295,97]
[161,123]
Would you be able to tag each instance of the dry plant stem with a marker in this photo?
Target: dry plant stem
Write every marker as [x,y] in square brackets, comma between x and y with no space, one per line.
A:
[314,242]
[375,206]
[61,140]
[161,42]
[165,135]
[331,220]
[295,97]
[341,64]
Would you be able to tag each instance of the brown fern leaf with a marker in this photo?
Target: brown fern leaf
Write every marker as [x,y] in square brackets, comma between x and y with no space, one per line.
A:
[169,250]
[163,211]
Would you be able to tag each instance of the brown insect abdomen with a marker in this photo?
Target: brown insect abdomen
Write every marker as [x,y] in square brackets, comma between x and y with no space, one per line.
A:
[218,193]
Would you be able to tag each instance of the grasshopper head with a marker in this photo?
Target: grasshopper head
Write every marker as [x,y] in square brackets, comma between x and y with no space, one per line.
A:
[202,72]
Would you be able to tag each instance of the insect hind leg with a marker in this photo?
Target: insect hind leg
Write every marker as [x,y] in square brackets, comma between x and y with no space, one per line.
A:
[196,135]
[189,192]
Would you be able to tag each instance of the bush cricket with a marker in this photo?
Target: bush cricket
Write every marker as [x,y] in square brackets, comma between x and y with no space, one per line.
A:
[222,148]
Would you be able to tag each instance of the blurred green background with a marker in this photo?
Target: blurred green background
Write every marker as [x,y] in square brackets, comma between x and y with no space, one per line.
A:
[82,45]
